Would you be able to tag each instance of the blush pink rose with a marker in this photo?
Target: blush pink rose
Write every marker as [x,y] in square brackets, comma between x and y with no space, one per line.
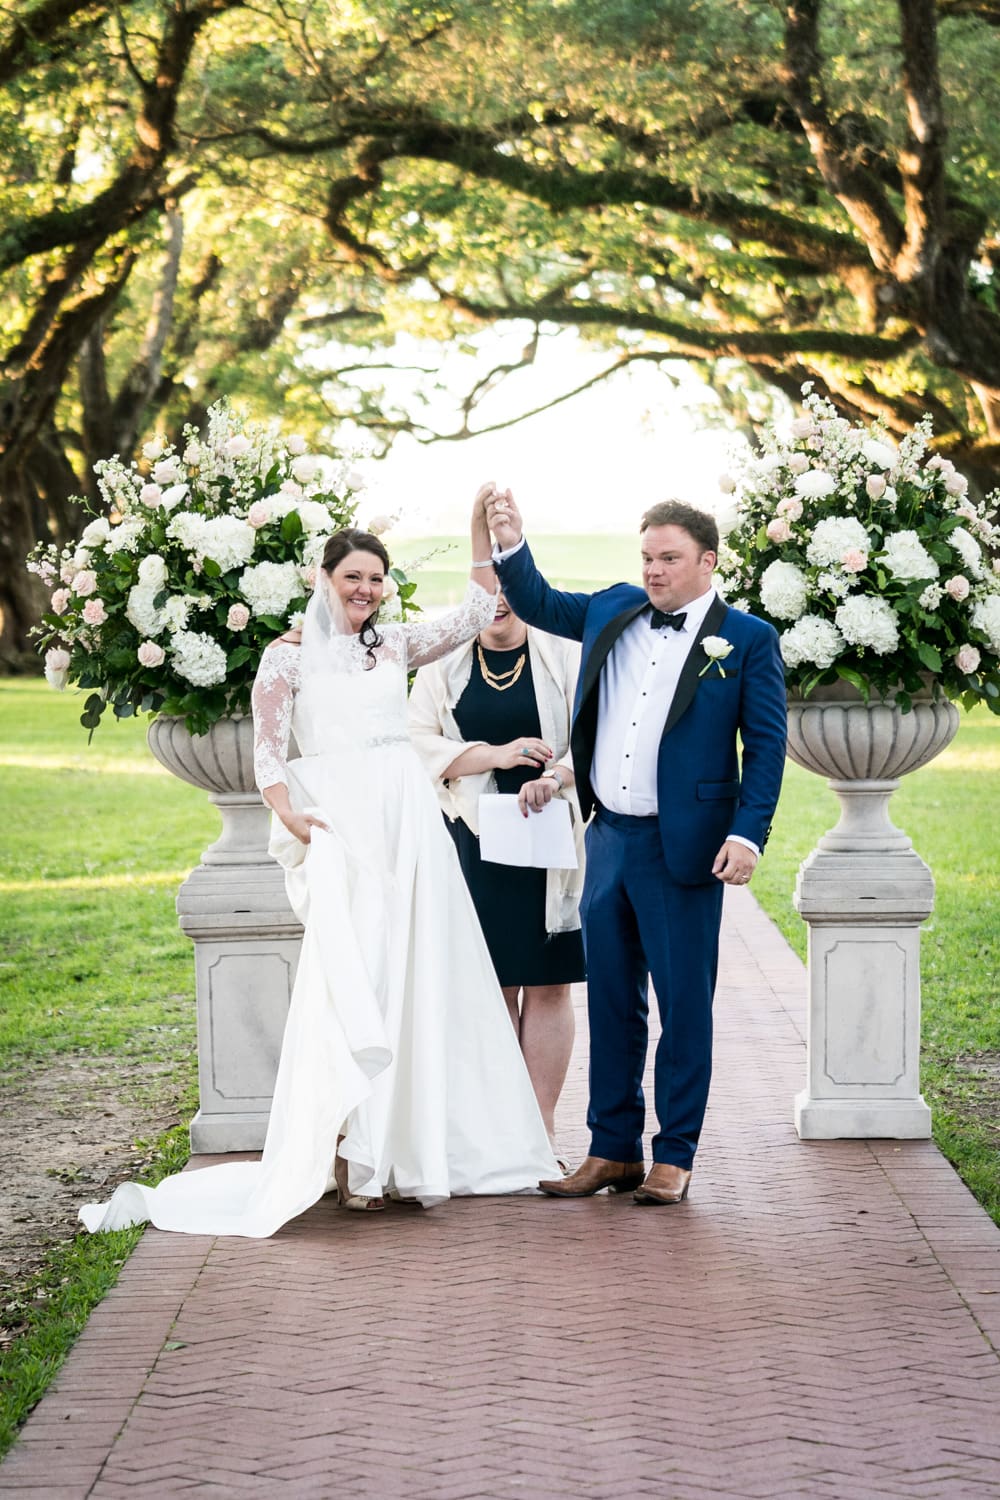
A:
[956,484]
[958,587]
[309,576]
[85,582]
[790,507]
[778,531]
[60,601]
[803,427]
[798,463]
[875,485]
[237,617]
[150,494]
[854,560]
[150,654]
[259,514]
[94,612]
[967,659]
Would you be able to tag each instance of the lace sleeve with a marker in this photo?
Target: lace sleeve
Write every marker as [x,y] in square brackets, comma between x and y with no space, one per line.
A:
[426,640]
[273,695]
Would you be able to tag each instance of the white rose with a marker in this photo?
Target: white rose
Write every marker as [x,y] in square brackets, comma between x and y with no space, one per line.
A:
[798,463]
[57,667]
[150,494]
[153,570]
[727,484]
[304,468]
[296,444]
[96,532]
[237,446]
[168,471]
[875,485]
[153,449]
[173,495]
[879,454]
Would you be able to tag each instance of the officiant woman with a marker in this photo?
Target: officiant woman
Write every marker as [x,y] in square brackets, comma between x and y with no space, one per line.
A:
[494,717]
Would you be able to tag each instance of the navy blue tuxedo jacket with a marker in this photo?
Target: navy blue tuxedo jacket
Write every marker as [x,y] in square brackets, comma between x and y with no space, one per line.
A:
[703,793]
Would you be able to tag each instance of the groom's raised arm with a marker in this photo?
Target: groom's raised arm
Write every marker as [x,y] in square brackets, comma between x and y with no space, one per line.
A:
[529,594]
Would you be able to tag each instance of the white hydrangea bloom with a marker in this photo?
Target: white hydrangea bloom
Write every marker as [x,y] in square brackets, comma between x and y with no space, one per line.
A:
[873,623]
[968,550]
[985,616]
[142,613]
[177,610]
[270,587]
[197,658]
[228,541]
[783,590]
[835,536]
[186,527]
[906,557]
[811,640]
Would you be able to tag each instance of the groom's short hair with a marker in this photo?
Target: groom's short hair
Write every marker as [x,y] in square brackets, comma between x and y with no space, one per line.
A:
[697,523]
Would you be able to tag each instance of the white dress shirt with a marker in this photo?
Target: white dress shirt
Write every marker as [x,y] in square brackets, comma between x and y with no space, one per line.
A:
[637,686]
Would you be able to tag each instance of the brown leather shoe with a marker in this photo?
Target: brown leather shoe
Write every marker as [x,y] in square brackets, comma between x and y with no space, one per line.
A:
[593,1174]
[664,1184]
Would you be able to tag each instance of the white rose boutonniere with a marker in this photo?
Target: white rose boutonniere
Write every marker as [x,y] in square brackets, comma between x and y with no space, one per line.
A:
[716,648]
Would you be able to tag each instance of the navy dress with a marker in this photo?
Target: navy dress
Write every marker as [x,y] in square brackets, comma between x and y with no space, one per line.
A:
[509,899]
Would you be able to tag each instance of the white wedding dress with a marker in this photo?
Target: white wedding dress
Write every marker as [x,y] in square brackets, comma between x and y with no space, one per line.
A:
[397,1036]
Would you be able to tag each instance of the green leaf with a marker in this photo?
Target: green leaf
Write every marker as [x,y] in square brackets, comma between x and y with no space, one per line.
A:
[291,526]
[124,710]
[929,655]
[850,675]
[238,657]
[211,568]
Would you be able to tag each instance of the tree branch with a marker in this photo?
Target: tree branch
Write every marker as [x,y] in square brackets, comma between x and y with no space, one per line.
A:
[921,160]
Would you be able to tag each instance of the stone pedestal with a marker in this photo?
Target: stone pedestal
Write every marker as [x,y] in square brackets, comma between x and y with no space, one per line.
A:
[234,909]
[864,891]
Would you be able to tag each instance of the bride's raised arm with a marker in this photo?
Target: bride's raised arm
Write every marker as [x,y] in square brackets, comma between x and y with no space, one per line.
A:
[426,640]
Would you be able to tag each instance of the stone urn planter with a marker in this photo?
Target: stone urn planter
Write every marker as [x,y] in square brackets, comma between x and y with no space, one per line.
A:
[864,891]
[246,937]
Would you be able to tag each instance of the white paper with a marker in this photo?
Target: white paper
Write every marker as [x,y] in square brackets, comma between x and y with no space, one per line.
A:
[543,839]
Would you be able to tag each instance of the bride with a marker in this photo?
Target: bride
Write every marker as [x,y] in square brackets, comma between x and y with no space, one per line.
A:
[400,1071]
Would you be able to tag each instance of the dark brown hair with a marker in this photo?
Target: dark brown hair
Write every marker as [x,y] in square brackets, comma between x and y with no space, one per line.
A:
[340,545]
[698,524]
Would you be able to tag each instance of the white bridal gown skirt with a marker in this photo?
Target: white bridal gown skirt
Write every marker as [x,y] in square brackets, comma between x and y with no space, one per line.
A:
[397,1036]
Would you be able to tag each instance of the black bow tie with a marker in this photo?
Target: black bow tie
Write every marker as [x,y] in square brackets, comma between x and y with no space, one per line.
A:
[658,618]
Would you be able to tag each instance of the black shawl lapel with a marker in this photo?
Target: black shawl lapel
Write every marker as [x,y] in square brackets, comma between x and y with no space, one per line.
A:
[693,664]
[584,735]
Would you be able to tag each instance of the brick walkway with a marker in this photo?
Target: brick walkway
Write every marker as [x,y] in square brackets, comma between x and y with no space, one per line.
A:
[817,1320]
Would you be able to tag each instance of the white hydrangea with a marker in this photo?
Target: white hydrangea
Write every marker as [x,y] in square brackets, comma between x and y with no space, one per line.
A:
[141,612]
[186,527]
[931,596]
[197,658]
[968,550]
[985,616]
[270,587]
[177,609]
[125,538]
[228,541]
[811,639]
[864,621]
[783,590]
[906,557]
[835,536]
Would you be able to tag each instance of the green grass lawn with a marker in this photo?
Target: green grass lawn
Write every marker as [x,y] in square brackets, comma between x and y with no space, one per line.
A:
[95,840]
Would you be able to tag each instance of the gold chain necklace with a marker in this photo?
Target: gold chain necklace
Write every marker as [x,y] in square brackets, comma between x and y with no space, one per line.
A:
[495,680]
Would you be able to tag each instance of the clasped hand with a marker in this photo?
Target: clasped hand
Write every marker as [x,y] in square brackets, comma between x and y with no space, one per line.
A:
[502,514]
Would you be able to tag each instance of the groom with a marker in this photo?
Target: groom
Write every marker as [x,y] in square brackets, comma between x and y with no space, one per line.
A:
[670,676]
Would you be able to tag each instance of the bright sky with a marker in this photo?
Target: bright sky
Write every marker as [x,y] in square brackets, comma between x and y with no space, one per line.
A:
[591,464]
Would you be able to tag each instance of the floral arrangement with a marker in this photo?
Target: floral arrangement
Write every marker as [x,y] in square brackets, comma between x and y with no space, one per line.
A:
[869,559]
[205,555]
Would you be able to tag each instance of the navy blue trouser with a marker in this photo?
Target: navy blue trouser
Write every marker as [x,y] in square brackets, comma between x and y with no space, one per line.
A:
[639,924]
